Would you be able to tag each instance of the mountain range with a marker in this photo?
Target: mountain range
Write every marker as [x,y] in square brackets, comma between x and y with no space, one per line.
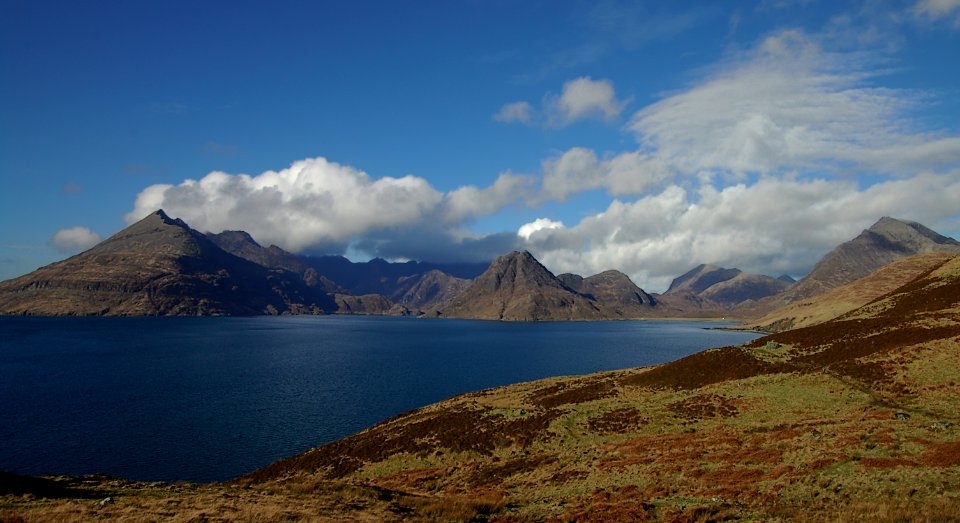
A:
[850,416]
[160,266]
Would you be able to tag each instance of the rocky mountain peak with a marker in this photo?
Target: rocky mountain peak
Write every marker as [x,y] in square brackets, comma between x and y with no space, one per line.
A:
[886,241]
[517,287]
[517,267]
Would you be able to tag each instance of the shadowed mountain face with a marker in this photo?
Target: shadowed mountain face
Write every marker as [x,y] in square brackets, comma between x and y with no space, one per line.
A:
[885,241]
[517,287]
[428,291]
[613,289]
[744,287]
[241,244]
[711,287]
[158,266]
[700,278]
[414,285]
[379,276]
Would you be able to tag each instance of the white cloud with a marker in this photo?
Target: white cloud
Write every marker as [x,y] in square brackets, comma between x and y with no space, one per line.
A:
[583,98]
[756,166]
[74,239]
[515,112]
[528,229]
[321,206]
[312,202]
[470,202]
[790,105]
[774,226]
[579,169]
[576,170]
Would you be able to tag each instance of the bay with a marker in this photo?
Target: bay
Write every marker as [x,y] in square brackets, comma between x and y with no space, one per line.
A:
[208,399]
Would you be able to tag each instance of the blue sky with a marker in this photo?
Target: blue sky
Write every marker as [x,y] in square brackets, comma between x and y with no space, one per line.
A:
[642,136]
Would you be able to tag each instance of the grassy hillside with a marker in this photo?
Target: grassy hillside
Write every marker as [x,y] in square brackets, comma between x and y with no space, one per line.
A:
[857,419]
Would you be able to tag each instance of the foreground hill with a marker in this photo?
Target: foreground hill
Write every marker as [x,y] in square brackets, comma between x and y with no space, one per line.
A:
[857,419]
[159,266]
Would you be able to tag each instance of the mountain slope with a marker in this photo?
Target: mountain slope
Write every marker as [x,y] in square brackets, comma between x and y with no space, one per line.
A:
[429,291]
[700,278]
[614,291]
[158,266]
[742,288]
[241,244]
[840,300]
[886,241]
[708,287]
[516,287]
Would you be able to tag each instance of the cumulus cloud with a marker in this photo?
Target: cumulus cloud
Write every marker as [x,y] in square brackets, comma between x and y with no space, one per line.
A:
[579,169]
[528,229]
[320,206]
[74,239]
[312,203]
[774,157]
[469,202]
[790,105]
[773,226]
[515,112]
[581,98]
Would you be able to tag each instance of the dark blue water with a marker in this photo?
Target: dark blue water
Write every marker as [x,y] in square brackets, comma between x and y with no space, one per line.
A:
[207,399]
